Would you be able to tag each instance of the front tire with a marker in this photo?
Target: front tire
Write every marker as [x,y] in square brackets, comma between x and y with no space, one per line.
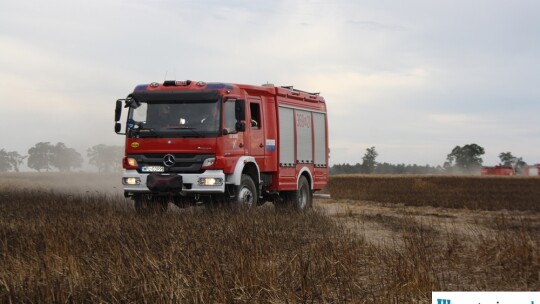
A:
[246,192]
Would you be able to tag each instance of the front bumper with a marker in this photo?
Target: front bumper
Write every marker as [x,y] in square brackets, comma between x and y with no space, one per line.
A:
[190,182]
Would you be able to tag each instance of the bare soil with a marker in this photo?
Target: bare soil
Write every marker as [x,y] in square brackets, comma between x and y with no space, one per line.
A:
[383,223]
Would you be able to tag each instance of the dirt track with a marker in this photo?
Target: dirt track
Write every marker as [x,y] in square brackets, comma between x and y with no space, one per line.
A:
[382,224]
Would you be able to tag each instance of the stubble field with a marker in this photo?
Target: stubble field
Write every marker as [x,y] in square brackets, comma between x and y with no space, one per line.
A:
[380,239]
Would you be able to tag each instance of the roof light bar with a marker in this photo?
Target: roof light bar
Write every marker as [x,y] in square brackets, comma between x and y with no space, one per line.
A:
[170,83]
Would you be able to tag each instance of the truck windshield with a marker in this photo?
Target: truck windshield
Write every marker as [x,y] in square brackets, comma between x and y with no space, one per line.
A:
[174,119]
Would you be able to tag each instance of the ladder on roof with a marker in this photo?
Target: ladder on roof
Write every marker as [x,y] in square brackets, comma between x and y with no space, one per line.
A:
[296,90]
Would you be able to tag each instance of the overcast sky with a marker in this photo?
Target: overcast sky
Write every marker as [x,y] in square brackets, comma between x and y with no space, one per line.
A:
[412,78]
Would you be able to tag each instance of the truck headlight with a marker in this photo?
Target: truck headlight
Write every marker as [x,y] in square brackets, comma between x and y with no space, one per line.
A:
[131,181]
[130,163]
[210,181]
[209,162]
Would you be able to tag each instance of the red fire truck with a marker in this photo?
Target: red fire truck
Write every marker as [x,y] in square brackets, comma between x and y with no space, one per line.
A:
[193,142]
[498,170]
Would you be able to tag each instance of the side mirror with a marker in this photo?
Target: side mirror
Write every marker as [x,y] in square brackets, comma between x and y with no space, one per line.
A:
[240,110]
[240,126]
[118,110]
[117,127]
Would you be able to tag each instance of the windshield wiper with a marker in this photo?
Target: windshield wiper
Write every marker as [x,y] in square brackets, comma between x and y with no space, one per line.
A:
[180,128]
[137,130]
[150,132]
[192,129]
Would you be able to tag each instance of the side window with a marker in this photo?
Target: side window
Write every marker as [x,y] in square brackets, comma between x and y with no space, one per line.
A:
[230,119]
[255,110]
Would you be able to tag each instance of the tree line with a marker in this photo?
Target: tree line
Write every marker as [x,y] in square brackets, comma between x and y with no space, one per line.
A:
[45,156]
[462,159]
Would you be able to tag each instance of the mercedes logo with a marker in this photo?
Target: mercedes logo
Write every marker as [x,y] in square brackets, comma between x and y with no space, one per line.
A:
[168,160]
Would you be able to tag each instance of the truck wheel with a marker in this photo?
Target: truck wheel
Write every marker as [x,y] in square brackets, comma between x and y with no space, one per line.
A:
[246,192]
[302,198]
[150,205]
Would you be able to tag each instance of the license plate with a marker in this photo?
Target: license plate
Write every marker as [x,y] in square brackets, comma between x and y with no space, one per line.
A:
[153,169]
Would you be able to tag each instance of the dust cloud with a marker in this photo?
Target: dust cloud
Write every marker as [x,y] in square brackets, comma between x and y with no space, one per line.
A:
[70,183]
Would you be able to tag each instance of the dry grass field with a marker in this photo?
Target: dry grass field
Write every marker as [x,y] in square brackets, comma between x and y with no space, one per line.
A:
[471,192]
[76,239]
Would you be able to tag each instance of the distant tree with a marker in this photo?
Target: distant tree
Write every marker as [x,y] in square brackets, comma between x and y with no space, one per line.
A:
[466,158]
[369,160]
[65,159]
[508,159]
[40,156]
[386,168]
[105,158]
[10,160]
[16,159]
[44,156]
[5,164]
[346,169]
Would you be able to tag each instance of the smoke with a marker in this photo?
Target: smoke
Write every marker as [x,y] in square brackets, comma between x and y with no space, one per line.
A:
[70,183]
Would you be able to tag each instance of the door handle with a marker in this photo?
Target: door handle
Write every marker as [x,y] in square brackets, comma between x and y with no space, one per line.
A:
[261,145]
[241,145]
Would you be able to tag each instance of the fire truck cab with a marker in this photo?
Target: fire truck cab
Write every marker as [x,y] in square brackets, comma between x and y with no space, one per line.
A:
[193,142]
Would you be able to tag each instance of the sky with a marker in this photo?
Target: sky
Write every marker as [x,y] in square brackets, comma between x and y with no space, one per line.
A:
[412,78]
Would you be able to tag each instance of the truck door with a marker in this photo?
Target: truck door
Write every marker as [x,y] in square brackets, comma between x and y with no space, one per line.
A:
[233,141]
[256,126]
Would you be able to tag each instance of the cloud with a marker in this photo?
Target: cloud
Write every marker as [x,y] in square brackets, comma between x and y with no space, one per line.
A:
[373,25]
[454,118]
[406,77]
[34,79]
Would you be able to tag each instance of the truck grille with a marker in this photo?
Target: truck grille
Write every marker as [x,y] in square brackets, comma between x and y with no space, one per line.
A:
[184,163]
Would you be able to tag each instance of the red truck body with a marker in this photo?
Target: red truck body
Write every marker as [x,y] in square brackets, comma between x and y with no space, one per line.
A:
[526,170]
[277,137]
[498,170]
